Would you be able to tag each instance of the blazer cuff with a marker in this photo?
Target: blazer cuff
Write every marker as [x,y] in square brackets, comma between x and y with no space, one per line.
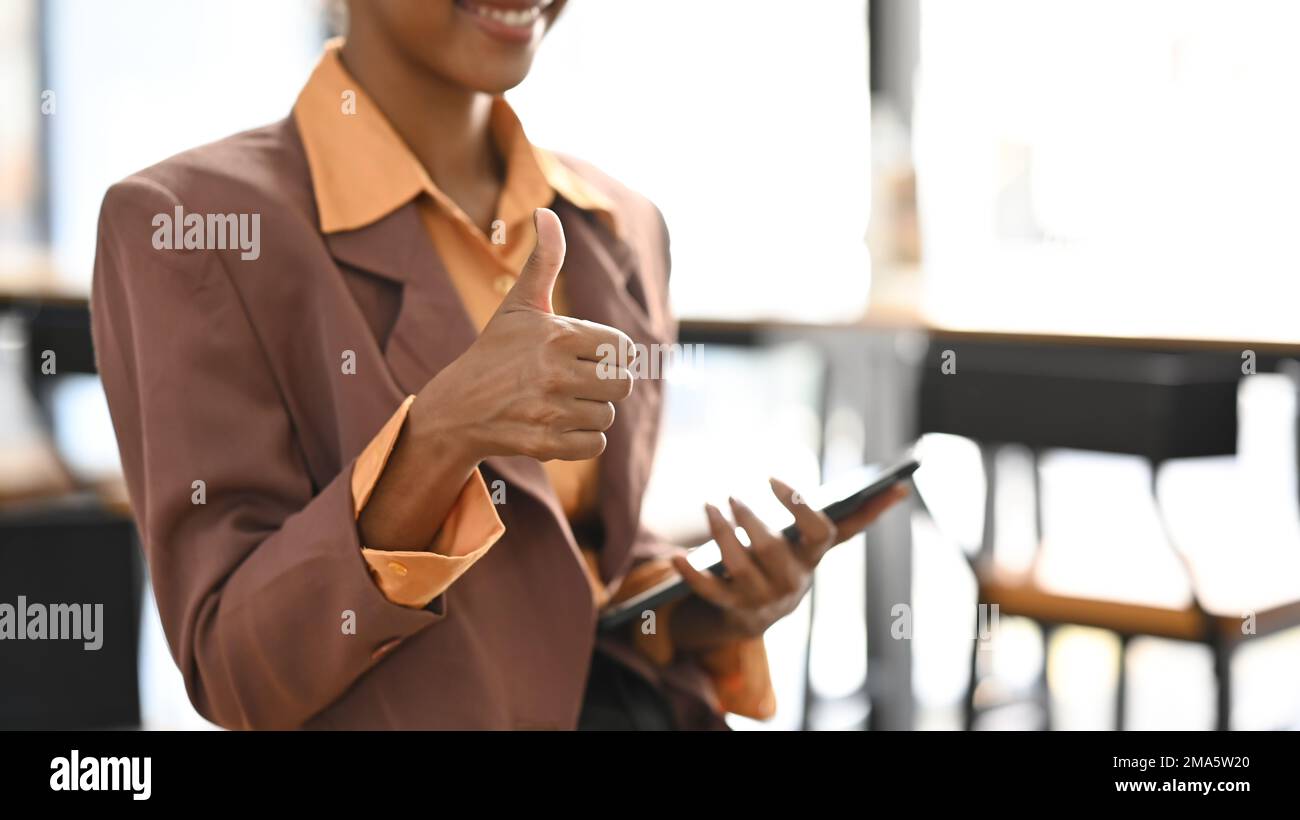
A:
[414,578]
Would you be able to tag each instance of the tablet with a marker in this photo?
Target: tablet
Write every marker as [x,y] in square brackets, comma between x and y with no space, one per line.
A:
[838,499]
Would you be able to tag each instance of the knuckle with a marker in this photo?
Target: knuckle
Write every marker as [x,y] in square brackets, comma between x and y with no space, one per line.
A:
[616,339]
[826,531]
[537,446]
[540,415]
[560,331]
[532,413]
[551,379]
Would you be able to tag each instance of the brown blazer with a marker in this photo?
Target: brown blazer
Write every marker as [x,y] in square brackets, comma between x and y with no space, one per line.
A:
[228,371]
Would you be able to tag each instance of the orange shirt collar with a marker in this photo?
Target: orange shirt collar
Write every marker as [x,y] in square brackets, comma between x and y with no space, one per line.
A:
[362,171]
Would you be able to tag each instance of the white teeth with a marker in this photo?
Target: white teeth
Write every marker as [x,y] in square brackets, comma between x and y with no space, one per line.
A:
[511,17]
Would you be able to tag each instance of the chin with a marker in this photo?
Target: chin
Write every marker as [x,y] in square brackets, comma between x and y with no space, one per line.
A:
[496,40]
[493,79]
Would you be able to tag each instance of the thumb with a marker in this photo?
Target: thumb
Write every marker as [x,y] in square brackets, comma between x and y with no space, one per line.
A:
[537,280]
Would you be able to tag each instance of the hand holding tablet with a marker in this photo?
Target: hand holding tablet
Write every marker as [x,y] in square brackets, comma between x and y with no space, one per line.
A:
[847,501]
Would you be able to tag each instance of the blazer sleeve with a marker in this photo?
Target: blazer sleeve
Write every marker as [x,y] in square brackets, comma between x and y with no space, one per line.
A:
[264,594]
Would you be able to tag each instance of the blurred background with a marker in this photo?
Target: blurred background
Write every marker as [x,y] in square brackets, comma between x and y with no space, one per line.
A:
[1054,242]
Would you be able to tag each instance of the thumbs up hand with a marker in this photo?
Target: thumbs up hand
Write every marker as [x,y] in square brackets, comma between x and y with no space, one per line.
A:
[536,281]
[530,384]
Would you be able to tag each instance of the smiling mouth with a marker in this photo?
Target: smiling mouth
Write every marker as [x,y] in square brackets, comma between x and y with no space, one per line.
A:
[506,14]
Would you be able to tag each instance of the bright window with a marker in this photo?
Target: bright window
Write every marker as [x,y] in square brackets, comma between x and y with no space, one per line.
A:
[1123,167]
[746,121]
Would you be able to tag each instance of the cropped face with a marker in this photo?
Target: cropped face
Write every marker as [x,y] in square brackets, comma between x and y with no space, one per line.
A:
[482,45]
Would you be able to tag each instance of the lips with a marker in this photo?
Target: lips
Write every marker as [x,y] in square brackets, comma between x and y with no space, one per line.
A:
[517,15]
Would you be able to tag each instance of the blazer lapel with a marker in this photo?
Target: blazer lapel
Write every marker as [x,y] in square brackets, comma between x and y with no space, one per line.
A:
[601,283]
[431,328]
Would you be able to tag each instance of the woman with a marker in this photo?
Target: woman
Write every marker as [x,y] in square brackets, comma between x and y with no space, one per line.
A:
[323,435]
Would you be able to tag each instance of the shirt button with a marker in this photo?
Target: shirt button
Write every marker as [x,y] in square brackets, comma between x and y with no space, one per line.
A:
[397,569]
[503,283]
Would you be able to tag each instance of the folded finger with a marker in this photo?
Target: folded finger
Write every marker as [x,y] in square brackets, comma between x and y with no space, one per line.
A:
[598,381]
[590,415]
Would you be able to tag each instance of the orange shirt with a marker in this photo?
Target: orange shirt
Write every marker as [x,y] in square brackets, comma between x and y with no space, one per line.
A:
[362,171]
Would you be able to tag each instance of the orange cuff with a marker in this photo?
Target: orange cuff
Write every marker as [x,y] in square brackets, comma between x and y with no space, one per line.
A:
[413,578]
[739,670]
[742,677]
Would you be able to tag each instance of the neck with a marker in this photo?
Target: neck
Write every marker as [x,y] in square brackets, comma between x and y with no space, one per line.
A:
[449,126]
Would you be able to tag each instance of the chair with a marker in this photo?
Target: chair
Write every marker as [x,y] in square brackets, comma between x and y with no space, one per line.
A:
[1148,402]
